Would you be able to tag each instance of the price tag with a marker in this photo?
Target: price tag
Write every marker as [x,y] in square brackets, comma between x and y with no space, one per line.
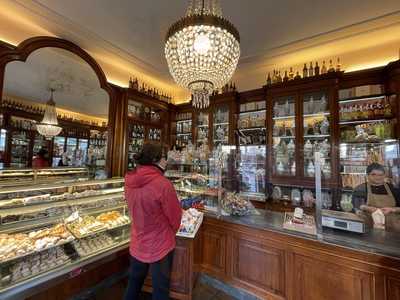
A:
[75,272]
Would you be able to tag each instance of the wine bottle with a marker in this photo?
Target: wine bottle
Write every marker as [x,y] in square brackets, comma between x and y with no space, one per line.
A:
[316,69]
[297,75]
[311,70]
[331,68]
[305,71]
[279,77]
[269,82]
[286,78]
[338,65]
[291,74]
[323,69]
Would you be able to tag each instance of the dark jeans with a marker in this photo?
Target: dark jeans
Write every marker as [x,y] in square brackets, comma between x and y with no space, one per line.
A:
[160,276]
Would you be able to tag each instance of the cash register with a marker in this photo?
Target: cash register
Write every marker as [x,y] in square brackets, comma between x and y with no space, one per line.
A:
[343,221]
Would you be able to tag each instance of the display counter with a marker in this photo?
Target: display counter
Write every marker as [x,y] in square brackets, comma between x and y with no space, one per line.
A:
[257,254]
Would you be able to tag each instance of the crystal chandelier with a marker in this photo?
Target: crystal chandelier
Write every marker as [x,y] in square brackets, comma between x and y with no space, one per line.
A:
[49,126]
[202,50]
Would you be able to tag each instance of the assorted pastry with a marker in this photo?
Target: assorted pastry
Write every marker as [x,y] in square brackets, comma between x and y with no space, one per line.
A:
[21,244]
[85,225]
[190,221]
[93,244]
[34,264]
[112,219]
[235,205]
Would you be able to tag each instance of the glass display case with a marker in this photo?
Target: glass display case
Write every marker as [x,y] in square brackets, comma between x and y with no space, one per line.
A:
[97,151]
[20,149]
[3,140]
[48,227]
[17,177]
[316,132]
[221,126]
[202,128]
[58,150]
[252,123]
[154,134]
[136,140]
[251,171]
[183,129]
[284,136]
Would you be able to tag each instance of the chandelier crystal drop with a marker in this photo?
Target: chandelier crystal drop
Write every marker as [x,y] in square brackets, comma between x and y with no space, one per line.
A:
[202,50]
[49,126]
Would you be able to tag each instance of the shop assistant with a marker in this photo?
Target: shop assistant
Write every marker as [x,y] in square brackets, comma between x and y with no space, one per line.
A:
[376,193]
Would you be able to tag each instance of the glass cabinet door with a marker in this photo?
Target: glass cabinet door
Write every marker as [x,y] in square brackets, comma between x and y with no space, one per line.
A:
[284,136]
[252,170]
[183,129]
[20,144]
[136,140]
[316,132]
[202,129]
[221,126]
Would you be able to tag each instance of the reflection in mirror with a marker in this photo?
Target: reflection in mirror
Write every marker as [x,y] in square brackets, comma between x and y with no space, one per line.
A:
[81,108]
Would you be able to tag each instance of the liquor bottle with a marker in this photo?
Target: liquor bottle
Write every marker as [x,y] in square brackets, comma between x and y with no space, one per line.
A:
[297,75]
[316,69]
[279,78]
[274,77]
[331,68]
[323,68]
[338,65]
[269,81]
[234,87]
[291,74]
[305,71]
[311,70]
[286,78]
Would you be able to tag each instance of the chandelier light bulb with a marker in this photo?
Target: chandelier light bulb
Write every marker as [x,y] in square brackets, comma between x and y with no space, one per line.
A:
[202,44]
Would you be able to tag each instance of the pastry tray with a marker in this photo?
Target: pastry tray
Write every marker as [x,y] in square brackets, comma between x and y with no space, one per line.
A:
[308,227]
[192,234]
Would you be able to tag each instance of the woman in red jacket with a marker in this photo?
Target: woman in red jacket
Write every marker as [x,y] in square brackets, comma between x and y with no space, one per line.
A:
[156,216]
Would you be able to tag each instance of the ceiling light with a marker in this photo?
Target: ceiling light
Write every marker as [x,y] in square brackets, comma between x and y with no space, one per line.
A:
[202,50]
[49,126]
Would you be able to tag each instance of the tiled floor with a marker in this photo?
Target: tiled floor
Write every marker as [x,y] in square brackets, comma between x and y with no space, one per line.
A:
[202,291]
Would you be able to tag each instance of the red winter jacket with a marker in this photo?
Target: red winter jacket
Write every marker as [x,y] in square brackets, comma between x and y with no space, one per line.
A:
[155,211]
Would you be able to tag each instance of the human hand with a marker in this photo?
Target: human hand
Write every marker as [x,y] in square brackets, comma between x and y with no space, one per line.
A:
[370,209]
[388,210]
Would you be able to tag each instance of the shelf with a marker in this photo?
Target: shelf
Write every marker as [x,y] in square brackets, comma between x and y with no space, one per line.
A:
[283,118]
[189,133]
[320,114]
[221,124]
[363,121]
[362,98]
[221,141]
[252,129]
[372,143]
[202,125]
[252,111]
[183,121]
[284,137]
[317,136]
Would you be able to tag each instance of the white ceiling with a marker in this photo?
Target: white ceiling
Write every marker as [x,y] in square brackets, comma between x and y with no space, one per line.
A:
[127,36]
[76,85]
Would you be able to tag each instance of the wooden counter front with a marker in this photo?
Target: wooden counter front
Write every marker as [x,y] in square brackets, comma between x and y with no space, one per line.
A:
[274,265]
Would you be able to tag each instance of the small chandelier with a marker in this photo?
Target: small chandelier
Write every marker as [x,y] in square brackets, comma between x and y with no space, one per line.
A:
[49,126]
[202,50]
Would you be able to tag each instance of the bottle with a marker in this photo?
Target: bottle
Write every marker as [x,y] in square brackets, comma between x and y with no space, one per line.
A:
[305,71]
[275,77]
[331,68]
[269,81]
[297,75]
[387,108]
[291,74]
[311,70]
[279,78]
[323,68]
[338,65]
[286,78]
[316,69]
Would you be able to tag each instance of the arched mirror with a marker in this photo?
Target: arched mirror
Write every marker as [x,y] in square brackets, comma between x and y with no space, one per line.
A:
[54,77]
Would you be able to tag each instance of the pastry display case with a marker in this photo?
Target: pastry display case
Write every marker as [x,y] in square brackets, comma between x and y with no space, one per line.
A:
[18,177]
[221,125]
[44,228]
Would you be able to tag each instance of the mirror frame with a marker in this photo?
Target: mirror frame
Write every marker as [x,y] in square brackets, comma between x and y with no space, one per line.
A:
[9,53]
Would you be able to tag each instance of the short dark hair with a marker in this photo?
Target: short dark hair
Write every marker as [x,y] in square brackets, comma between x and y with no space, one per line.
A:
[42,152]
[375,166]
[151,153]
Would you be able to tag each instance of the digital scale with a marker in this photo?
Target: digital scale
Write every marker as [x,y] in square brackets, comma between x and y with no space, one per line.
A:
[343,221]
